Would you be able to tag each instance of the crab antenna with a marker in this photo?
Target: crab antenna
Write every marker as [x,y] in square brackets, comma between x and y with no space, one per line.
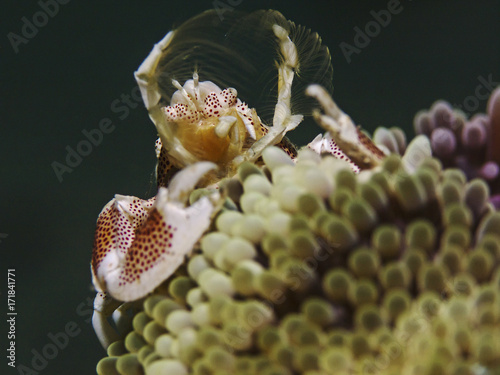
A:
[196,87]
[186,96]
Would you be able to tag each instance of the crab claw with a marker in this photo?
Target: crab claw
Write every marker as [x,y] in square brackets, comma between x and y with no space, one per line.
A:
[115,233]
[132,257]
[326,145]
[347,136]
[185,181]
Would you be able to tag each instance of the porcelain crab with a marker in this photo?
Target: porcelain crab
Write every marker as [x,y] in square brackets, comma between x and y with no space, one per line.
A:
[205,132]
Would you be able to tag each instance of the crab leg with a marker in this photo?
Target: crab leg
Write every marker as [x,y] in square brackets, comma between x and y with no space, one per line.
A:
[104,306]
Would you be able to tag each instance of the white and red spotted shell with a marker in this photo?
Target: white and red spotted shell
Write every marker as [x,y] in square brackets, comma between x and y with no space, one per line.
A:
[205,100]
[324,144]
[204,122]
[140,243]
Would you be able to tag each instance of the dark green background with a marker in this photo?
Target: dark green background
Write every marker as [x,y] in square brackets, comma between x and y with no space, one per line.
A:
[65,79]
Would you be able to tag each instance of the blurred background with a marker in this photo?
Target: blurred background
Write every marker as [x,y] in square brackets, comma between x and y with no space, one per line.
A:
[76,69]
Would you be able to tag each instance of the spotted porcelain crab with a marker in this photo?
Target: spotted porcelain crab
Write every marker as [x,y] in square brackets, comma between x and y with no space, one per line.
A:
[205,132]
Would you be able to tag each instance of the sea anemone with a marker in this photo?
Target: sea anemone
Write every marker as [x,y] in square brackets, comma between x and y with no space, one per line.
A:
[468,144]
[351,256]
[318,270]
